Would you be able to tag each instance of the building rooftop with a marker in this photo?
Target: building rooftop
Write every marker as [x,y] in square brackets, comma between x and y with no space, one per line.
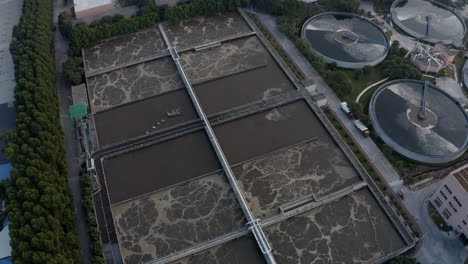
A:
[5,248]
[5,171]
[81,5]
[462,177]
[79,94]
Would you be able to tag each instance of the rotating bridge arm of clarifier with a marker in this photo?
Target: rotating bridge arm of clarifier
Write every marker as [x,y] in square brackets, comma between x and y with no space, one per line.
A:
[364,40]
[422,114]
[429,26]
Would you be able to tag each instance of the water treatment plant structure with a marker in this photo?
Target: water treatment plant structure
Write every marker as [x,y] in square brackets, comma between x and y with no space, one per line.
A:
[419,121]
[429,21]
[349,40]
[209,150]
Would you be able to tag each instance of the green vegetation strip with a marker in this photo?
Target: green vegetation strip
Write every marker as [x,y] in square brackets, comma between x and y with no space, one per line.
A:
[294,68]
[367,165]
[39,201]
[88,206]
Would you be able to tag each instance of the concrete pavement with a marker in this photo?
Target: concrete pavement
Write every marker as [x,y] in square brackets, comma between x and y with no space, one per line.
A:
[71,143]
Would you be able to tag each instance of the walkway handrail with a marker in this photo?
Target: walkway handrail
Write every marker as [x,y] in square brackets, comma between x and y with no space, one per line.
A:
[254,224]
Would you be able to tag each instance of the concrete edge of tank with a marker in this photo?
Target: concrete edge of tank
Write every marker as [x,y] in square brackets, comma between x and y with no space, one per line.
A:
[429,159]
[465,80]
[455,42]
[344,64]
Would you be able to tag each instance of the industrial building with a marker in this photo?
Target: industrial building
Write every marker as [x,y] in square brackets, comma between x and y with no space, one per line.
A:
[451,200]
[86,8]
[431,59]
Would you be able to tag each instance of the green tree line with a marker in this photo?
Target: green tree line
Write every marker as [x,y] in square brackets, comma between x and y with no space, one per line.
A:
[39,201]
[88,205]
[84,35]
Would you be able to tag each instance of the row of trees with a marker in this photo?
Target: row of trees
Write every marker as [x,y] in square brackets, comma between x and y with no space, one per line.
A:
[201,8]
[39,201]
[84,35]
[88,206]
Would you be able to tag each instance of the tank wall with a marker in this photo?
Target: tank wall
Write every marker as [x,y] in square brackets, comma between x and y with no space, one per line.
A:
[344,64]
[396,146]
[423,37]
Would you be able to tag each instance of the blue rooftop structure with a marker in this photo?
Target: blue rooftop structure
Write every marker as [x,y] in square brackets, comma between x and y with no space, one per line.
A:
[6,261]
[5,172]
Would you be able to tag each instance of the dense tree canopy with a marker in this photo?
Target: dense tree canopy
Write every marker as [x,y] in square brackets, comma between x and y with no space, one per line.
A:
[84,35]
[395,66]
[39,204]
[74,70]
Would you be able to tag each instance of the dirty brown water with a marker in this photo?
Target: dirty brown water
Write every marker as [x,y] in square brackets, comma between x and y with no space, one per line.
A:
[159,166]
[264,132]
[123,49]
[353,229]
[231,57]
[202,30]
[177,218]
[137,119]
[133,83]
[168,197]
[243,88]
[315,167]
[302,159]
[239,251]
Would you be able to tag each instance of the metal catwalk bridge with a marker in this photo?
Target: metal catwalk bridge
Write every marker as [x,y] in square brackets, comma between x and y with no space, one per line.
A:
[253,224]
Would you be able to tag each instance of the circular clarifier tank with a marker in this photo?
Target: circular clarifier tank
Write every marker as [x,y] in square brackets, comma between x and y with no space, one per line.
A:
[348,40]
[435,133]
[429,21]
[465,74]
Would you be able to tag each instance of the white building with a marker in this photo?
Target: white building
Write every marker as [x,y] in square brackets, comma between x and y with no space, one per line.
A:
[86,8]
[451,200]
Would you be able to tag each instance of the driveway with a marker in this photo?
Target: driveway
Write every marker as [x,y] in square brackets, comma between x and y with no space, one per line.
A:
[438,247]
[71,142]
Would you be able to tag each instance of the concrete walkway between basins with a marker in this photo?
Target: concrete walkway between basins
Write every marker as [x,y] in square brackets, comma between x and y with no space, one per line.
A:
[366,145]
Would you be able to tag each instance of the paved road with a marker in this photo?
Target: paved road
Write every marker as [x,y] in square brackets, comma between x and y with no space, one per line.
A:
[374,153]
[71,144]
[438,247]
